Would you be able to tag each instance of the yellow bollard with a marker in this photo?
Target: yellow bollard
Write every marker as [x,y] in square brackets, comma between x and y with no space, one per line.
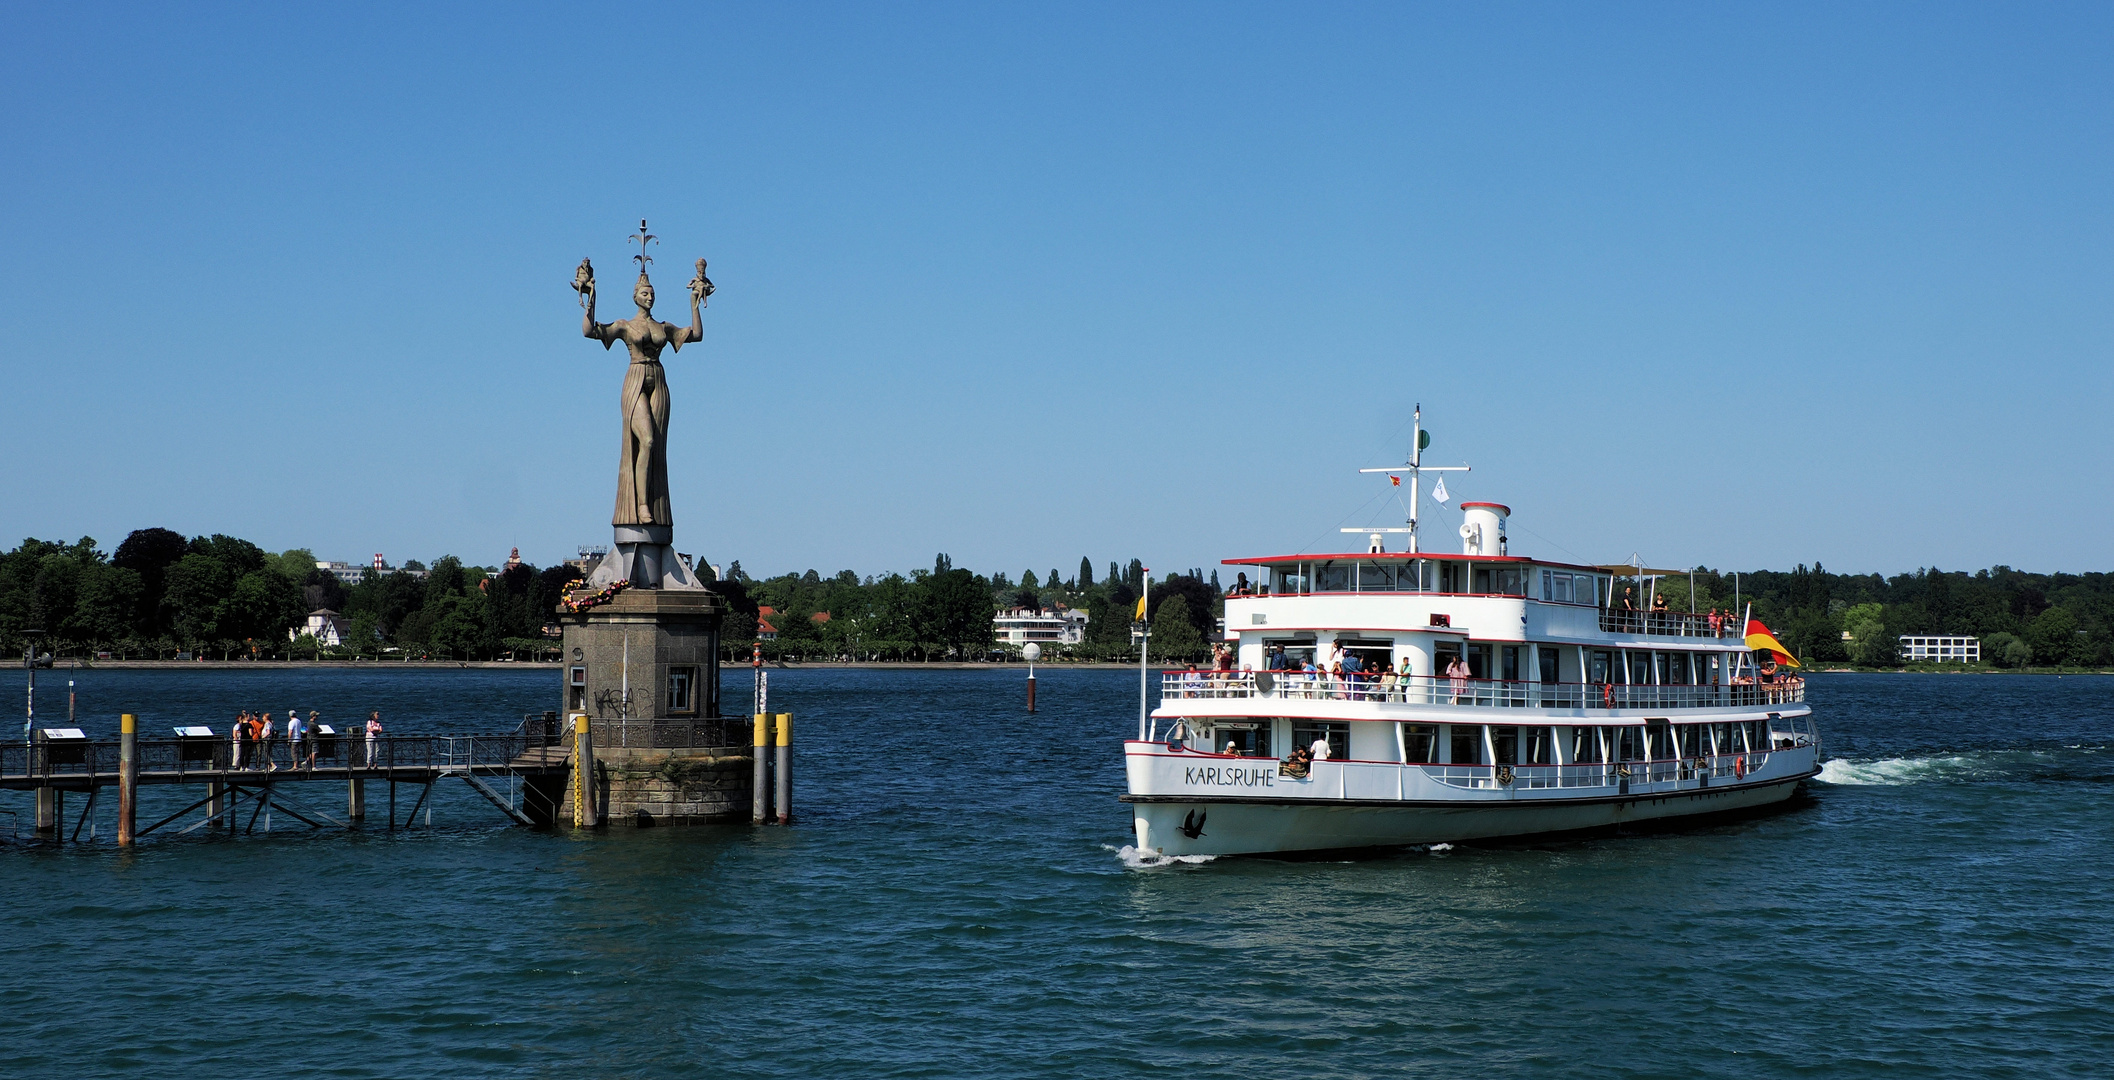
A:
[759,786]
[583,773]
[785,768]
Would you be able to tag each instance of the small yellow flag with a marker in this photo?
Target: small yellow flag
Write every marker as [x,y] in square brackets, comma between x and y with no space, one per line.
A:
[1141,609]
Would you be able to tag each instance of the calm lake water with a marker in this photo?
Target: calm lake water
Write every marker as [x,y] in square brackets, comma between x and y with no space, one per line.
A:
[956,900]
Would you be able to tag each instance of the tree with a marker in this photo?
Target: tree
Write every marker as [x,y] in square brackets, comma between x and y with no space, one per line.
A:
[1086,574]
[1027,580]
[149,553]
[2053,636]
[956,610]
[1173,631]
[2000,648]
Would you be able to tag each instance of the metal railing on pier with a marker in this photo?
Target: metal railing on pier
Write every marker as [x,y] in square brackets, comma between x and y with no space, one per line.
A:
[174,760]
[1497,693]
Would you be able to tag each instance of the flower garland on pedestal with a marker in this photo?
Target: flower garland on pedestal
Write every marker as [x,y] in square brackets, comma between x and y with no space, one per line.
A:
[577,604]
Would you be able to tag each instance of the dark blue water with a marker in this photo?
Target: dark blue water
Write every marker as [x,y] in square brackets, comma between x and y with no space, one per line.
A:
[954,902]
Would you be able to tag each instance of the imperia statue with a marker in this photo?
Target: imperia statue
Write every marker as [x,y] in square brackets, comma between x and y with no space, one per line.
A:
[645,528]
[642,470]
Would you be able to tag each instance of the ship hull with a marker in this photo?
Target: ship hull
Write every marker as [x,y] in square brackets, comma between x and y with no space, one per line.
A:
[1236,826]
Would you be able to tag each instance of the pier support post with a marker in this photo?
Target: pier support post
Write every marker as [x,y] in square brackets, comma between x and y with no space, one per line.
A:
[51,808]
[127,778]
[216,798]
[759,788]
[785,768]
[356,800]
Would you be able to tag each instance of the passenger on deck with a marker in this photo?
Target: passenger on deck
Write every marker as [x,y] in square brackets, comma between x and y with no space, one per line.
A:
[1320,749]
[1717,623]
[1402,681]
[1298,762]
[1240,585]
[1457,679]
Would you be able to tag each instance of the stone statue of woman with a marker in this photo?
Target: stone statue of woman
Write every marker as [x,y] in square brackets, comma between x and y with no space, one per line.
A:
[642,472]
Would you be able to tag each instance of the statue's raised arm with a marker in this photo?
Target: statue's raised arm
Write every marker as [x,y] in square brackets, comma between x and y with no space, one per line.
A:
[584,284]
[700,288]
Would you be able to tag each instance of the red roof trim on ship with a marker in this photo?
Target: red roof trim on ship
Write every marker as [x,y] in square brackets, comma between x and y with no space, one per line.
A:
[1272,560]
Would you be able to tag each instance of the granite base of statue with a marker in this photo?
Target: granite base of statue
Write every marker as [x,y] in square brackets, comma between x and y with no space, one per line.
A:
[641,631]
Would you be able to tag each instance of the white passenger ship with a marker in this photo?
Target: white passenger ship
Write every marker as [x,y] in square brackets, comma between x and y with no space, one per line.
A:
[1575,711]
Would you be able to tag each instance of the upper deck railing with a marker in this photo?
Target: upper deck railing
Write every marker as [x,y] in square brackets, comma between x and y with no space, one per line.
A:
[1668,623]
[1488,693]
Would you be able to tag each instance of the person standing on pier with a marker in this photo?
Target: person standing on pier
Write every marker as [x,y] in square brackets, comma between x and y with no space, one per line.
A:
[294,733]
[236,735]
[312,747]
[264,743]
[374,734]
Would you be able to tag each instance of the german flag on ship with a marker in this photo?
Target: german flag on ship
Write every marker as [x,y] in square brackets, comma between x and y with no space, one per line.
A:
[1759,638]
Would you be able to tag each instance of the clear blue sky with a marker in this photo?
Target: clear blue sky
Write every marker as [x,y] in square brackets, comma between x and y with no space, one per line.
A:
[1711,283]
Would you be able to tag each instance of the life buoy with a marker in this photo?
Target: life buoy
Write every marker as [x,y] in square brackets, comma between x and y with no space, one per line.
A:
[1607,695]
[1739,767]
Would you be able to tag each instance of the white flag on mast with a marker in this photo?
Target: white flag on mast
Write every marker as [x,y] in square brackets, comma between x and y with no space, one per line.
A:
[1438,491]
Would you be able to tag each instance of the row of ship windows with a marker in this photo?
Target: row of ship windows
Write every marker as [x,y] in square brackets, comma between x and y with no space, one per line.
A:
[1507,744]
[1556,586]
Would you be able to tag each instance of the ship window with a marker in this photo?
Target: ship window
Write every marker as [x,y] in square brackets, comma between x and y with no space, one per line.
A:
[1376,577]
[1722,737]
[1658,742]
[1482,579]
[1248,740]
[1691,742]
[1510,666]
[1478,661]
[1550,659]
[1505,741]
[1443,654]
[1332,577]
[1640,668]
[1629,743]
[1420,742]
[1467,744]
[1585,745]
[1603,666]
[1304,732]
[1510,581]
[1534,746]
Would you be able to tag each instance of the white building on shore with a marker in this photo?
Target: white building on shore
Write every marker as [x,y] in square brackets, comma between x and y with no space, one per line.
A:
[1065,626]
[1945,650]
[351,573]
[324,625]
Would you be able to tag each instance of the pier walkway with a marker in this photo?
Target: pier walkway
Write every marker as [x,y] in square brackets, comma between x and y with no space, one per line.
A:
[521,772]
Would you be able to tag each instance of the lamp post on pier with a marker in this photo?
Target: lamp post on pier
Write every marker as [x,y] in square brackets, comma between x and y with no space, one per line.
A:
[29,664]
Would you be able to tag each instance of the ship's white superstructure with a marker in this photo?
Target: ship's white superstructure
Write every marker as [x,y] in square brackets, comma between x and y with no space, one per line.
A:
[1459,696]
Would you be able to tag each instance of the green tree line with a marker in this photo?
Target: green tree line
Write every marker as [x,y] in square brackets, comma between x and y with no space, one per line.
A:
[2024,619]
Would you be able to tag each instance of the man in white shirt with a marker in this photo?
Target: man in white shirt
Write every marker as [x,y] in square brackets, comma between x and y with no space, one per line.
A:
[1320,749]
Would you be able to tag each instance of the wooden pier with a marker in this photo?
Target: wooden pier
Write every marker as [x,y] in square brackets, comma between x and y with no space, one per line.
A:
[524,773]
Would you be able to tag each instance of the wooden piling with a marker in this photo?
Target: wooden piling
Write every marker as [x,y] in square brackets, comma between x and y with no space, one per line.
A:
[785,768]
[759,787]
[356,800]
[127,778]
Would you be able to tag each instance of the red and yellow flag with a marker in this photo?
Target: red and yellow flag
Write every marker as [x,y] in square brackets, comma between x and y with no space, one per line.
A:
[1759,638]
[1395,480]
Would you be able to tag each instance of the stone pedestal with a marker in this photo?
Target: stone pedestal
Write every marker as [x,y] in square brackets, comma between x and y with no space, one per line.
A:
[644,667]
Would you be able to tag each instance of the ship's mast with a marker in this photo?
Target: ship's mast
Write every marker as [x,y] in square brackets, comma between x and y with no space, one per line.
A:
[1415,469]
